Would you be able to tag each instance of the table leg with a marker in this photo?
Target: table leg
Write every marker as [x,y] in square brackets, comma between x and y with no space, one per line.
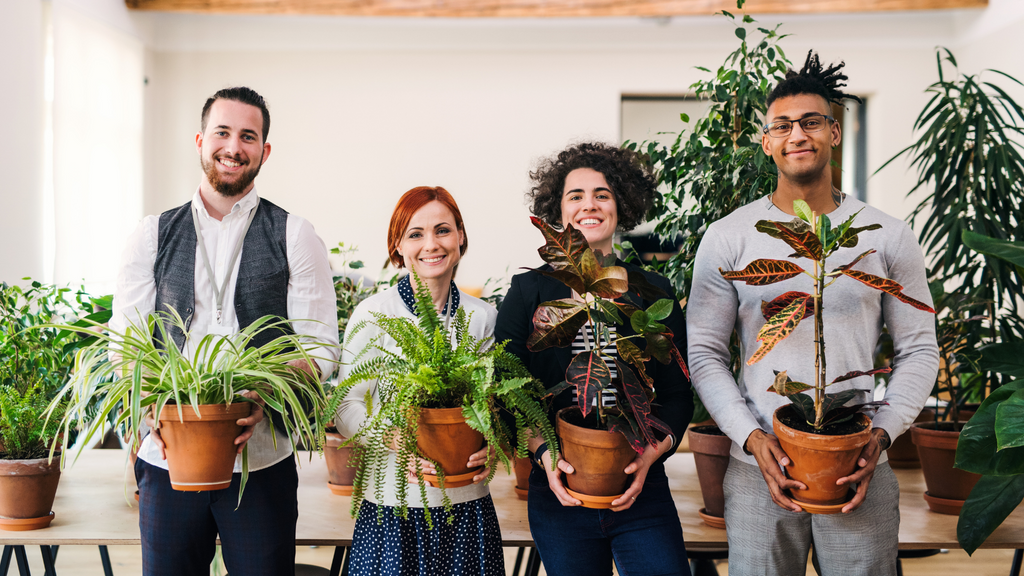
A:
[22,558]
[108,570]
[519,561]
[48,557]
[5,560]
[1018,558]
[337,565]
[533,563]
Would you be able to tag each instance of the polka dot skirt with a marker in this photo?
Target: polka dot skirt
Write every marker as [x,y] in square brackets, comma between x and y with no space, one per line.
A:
[471,545]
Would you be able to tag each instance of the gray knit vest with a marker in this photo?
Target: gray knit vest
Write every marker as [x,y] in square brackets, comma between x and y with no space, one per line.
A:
[262,285]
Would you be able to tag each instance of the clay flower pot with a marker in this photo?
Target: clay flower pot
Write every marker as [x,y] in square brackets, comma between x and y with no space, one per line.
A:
[338,471]
[818,460]
[598,457]
[27,490]
[522,467]
[201,449]
[710,449]
[445,438]
[948,487]
[903,452]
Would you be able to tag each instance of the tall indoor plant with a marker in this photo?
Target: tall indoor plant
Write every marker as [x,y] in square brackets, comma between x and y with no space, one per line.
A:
[130,376]
[35,362]
[806,425]
[625,430]
[436,388]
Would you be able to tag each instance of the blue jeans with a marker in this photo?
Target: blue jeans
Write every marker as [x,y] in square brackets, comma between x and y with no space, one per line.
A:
[645,540]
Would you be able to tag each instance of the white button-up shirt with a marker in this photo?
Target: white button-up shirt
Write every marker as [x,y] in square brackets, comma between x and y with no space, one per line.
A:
[310,297]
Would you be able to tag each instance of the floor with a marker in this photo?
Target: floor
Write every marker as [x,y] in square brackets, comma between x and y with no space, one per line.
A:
[85,561]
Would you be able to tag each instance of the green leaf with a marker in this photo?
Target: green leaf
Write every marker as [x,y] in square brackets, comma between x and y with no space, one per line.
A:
[741,33]
[991,500]
[639,321]
[1010,422]
[976,448]
[684,117]
[1004,358]
[784,386]
[803,211]
[660,309]
[1012,252]
[804,405]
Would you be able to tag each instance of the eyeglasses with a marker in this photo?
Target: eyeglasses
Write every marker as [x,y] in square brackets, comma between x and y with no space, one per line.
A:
[808,124]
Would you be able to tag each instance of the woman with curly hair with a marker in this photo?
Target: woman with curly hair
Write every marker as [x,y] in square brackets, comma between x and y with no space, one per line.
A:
[599,190]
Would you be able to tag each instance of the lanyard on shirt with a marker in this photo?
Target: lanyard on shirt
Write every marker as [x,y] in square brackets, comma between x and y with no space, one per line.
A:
[218,293]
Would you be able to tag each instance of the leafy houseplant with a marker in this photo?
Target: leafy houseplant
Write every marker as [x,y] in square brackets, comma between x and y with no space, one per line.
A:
[35,361]
[468,382]
[992,442]
[144,377]
[812,237]
[600,285]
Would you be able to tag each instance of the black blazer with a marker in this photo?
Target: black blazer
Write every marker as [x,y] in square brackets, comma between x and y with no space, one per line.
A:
[674,401]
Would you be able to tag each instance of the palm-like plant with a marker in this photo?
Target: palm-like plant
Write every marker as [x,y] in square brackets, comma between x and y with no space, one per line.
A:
[432,371]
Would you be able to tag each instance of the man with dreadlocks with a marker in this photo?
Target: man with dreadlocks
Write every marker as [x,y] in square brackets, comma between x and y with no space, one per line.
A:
[768,532]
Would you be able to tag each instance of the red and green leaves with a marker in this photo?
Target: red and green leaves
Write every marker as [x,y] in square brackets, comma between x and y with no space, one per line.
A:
[890,287]
[590,375]
[576,265]
[780,326]
[562,250]
[604,281]
[769,309]
[556,323]
[640,406]
[784,386]
[797,234]
[859,373]
[764,271]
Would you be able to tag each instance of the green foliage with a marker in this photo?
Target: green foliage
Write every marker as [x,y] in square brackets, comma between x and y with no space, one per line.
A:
[992,442]
[969,158]
[717,166]
[433,371]
[36,359]
[129,376]
[811,236]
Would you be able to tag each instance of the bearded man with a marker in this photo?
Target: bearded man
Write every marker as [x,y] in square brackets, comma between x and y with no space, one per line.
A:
[222,261]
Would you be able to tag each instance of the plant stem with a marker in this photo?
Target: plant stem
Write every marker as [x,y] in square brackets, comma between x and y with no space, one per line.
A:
[819,334]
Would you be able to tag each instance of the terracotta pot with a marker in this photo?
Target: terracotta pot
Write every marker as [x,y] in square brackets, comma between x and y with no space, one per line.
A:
[598,457]
[201,449]
[522,467]
[818,460]
[903,453]
[27,490]
[947,486]
[340,475]
[711,454]
[445,438]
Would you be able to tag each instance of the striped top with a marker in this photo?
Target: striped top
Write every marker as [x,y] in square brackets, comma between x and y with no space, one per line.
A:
[584,336]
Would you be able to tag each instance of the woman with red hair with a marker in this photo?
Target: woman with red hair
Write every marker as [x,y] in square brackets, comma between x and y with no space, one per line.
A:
[427,236]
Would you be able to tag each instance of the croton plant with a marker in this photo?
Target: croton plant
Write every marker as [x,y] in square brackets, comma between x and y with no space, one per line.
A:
[812,237]
[600,287]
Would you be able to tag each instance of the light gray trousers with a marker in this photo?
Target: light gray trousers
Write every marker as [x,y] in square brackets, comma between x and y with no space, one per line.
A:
[765,539]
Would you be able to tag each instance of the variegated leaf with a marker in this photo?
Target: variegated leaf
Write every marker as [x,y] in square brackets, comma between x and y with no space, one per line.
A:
[567,277]
[624,426]
[659,346]
[779,327]
[639,405]
[803,241]
[764,271]
[769,309]
[556,323]
[679,360]
[839,415]
[607,282]
[630,352]
[890,287]
[590,375]
[859,373]
[855,261]
[558,388]
[638,283]
[784,386]
[562,250]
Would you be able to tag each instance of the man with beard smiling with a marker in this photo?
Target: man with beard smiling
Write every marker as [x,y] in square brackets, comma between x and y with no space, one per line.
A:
[769,533]
[222,261]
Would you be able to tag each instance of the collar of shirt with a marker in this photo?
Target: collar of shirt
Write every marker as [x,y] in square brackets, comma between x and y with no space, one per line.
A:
[409,298]
[241,207]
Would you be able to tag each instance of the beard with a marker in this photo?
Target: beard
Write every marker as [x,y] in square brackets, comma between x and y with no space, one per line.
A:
[230,189]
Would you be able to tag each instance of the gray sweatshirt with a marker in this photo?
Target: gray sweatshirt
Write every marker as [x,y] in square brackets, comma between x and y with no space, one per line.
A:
[854,315]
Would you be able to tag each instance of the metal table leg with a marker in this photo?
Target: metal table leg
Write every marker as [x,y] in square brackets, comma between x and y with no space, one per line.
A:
[1018,558]
[105,559]
[339,564]
[22,558]
[519,561]
[533,563]
[5,560]
[48,560]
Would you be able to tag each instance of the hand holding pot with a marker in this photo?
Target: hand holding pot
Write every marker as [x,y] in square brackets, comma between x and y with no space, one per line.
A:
[866,469]
[638,468]
[479,458]
[248,423]
[426,466]
[770,459]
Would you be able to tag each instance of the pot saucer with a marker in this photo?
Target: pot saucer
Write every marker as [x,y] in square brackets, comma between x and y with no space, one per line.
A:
[340,490]
[943,505]
[811,508]
[453,481]
[19,524]
[712,521]
[595,502]
[521,493]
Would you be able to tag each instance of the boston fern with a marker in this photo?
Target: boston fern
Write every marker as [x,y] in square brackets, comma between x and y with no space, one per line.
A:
[812,237]
[433,372]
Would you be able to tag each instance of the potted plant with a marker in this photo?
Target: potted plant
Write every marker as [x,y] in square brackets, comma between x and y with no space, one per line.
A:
[195,401]
[710,447]
[35,361]
[439,400]
[601,442]
[992,442]
[821,435]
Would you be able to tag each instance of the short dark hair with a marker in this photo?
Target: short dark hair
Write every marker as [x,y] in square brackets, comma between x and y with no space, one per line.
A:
[814,78]
[626,172]
[238,94]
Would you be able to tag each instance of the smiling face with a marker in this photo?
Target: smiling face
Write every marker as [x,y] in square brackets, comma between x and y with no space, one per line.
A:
[431,241]
[588,204]
[801,157]
[231,149]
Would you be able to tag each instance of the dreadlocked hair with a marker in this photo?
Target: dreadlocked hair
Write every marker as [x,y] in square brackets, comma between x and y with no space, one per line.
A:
[814,78]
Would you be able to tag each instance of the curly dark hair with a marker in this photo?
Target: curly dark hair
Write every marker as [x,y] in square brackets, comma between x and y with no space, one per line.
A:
[628,174]
[814,78]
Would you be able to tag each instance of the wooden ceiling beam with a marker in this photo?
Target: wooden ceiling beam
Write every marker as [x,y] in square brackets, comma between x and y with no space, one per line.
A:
[537,8]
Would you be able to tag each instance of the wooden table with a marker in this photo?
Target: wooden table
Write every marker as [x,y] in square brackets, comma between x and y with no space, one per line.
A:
[92,509]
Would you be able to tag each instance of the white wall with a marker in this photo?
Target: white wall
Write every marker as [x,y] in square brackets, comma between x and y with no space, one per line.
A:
[21,145]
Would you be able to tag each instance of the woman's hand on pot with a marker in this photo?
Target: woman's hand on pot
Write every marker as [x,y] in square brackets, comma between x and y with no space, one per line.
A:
[555,479]
[638,468]
[770,458]
[248,423]
[477,459]
[154,433]
[394,444]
